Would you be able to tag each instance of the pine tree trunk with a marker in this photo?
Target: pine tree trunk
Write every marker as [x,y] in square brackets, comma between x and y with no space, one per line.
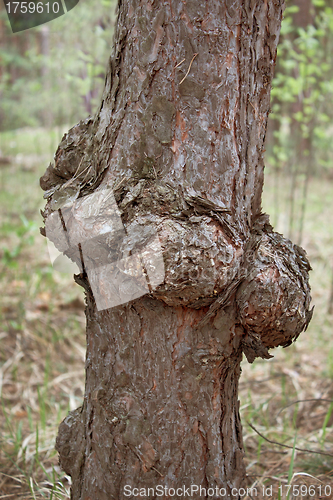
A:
[178,142]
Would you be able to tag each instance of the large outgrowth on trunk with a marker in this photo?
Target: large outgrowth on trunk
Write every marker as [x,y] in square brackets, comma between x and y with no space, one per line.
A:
[157,198]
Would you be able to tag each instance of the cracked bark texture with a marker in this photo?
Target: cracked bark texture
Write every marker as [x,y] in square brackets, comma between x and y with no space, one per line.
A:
[179,138]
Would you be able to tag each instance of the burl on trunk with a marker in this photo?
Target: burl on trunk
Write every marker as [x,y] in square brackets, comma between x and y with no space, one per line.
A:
[157,198]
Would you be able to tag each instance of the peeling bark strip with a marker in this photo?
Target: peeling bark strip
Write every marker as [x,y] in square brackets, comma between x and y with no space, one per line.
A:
[179,140]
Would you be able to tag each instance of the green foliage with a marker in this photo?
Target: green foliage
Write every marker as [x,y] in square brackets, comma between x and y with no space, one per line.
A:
[25,236]
[302,104]
[53,74]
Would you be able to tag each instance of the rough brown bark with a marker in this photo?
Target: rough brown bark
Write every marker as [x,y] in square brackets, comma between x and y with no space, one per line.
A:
[179,139]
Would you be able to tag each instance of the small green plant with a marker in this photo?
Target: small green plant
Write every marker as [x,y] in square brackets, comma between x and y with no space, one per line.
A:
[25,233]
[291,466]
[326,420]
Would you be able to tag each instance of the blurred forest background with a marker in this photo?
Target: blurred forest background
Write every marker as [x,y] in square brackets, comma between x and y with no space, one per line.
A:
[51,77]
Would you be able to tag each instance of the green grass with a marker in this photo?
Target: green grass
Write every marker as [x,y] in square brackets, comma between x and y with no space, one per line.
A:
[30,141]
[42,328]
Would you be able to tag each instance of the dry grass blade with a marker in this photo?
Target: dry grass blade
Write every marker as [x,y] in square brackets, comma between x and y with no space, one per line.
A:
[189,69]
[310,400]
[316,452]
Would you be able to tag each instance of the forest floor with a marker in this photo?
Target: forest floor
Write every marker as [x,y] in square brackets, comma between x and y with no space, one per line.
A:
[286,402]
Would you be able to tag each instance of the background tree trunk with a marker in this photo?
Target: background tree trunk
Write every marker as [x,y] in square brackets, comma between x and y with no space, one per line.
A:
[179,140]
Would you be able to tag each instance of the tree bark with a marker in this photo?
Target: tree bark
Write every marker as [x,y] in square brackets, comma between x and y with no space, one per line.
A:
[178,141]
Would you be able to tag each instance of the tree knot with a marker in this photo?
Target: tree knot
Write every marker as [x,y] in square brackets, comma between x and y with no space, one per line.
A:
[273,300]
